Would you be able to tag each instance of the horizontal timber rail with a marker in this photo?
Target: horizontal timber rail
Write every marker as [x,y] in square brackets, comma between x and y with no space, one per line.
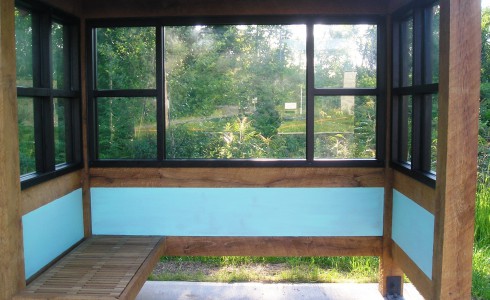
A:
[237,177]
[273,246]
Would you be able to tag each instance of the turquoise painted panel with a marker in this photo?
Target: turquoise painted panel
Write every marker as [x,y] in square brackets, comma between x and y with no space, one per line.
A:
[238,211]
[52,229]
[413,231]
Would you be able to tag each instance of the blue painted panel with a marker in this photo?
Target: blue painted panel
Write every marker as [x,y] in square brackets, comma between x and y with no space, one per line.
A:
[238,211]
[52,229]
[413,231]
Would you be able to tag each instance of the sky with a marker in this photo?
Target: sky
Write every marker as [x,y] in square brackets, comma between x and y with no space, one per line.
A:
[485,3]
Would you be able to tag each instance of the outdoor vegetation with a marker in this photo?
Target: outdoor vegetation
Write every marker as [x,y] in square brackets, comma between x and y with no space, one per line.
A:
[236,92]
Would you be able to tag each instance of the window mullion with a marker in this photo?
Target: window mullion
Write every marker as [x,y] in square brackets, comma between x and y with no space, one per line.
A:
[310,97]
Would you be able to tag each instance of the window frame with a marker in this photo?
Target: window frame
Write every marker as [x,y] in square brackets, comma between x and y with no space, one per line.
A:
[43,93]
[161,161]
[421,90]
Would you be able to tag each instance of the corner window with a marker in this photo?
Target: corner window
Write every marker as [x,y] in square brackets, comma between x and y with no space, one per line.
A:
[48,92]
[254,93]
[415,90]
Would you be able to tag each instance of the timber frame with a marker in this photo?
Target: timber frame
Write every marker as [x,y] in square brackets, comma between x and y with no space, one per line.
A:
[448,200]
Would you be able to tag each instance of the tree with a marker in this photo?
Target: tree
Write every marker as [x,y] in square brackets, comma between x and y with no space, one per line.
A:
[266,120]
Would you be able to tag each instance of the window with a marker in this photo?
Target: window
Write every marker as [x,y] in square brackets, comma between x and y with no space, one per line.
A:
[48,92]
[415,90]
[262,92]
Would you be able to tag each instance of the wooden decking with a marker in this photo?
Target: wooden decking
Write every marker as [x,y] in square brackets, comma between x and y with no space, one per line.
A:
[102,267]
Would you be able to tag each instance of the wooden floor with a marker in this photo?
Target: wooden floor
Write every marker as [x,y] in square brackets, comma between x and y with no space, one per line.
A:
[102,267]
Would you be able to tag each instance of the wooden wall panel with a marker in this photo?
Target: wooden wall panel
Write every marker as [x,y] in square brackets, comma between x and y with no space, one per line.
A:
[44,193]
[11,248]
[147,8]
[459,91]
[273,246]
[422,194]
[236,177]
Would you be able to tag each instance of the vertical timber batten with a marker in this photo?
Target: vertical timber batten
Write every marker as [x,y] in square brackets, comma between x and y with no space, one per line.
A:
[11,248]
[460,46]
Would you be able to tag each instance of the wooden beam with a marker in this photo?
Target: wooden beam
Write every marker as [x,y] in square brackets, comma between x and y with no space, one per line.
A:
[46,192]
[421,282]
[157,8]
[459,91]
[236,177]
[273,246]
[422,194]
[11,247]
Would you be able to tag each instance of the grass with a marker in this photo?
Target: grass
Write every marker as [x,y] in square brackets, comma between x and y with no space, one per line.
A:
[481,251]
[247,269]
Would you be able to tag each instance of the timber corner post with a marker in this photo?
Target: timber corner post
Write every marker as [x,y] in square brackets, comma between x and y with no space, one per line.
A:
[460,44]
[11,247]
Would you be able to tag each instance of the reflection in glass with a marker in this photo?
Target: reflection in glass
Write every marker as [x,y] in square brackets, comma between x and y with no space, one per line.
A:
[434,133]
[407,121]
[433,55]
[235,92]
[127,128]
[345,56]
[345,127]
[61,129]
[23,47]
[126,58]
[58,56]
[27,145]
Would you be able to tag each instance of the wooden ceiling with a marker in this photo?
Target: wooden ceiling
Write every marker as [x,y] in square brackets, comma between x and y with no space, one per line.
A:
[155,8]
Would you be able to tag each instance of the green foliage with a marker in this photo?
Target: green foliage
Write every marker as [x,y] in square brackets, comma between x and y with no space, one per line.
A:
[266,119]
[481,251]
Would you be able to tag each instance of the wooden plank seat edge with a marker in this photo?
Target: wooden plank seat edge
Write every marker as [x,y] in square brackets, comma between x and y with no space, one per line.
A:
[101,267]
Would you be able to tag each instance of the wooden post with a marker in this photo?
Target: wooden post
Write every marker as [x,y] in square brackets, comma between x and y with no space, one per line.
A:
[387,265]
[11,248]
[87,215]
[460,43]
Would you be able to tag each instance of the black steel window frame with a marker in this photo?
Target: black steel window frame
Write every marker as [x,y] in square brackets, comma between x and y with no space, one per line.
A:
[43,93]
[159,23]
[420,89]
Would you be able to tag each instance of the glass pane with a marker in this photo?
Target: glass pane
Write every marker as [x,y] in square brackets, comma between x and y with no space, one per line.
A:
[27,145]
[59,57]
[433,59]
[23,47]
[127,128]
[345,127]
[61,111]
[345,56]
[407,128]
[434,131]
[407,52]
[235,92]
[126,58]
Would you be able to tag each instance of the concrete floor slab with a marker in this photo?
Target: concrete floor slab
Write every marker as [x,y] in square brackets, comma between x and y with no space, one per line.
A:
[170,290]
